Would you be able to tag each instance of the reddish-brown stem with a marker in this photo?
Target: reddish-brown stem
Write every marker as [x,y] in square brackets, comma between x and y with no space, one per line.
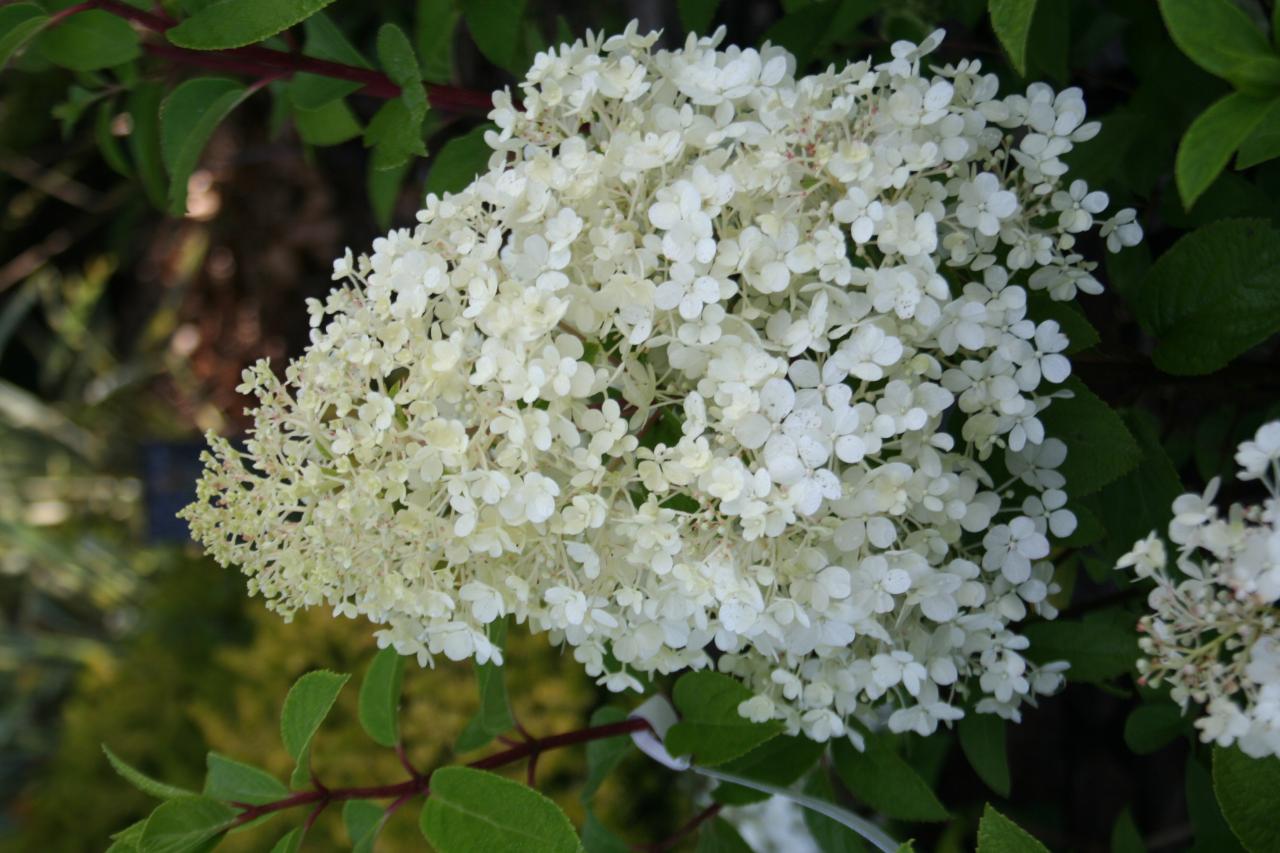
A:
[688,829]
[262,61]
[404,791]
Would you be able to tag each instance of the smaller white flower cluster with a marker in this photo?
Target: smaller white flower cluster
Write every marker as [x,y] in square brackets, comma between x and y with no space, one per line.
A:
[1214,636]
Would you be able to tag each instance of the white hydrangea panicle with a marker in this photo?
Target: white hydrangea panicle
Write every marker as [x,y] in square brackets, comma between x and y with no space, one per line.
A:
[713,366]
[1214,631]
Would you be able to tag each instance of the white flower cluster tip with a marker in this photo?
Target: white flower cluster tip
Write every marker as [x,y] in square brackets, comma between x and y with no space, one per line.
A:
[714,366]
[1214,633]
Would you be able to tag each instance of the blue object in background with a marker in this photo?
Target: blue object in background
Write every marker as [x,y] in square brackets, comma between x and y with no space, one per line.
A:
[169,474]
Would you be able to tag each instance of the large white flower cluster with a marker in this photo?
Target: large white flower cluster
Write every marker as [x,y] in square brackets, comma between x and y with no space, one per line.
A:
[1214,633]
[714,366]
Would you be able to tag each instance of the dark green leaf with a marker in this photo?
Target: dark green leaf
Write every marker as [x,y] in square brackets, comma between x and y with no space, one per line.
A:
[1099,446]
[188,117]
[380,697]
[494,715]
[1150,727]
[236,23]
[19,23]
[1011,20]
[495,27]
[69,111]
[1098,649]
[235,782]
[1140,501]
[1125,837]
[1211,140]
[1212,835]
[831,836]
[394,136]
[1199,327]
[472,810]
[384,188]
[1248,790]
[1219,37]
[305,708]
[603,755]
[324,41]
[396,55]
[330,124]
[983,743]
[290,842]
[144,140]
[880,778]
[1264,143]
[142,781]
[778,761]
[710,726]
[108,144]
[362,819]
[998,834]
[185,824]
[433,31]
[718,836]
[88,41]
[458,162]
[1079,331]
[696,15]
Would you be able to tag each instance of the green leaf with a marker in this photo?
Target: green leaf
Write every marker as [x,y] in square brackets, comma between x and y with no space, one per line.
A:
[19,23]
[324,41]
[603,755]
[185,824]
[144,140]
[1141,500]
[982,739]
[330,124]
[1264,143]
[380,697]
[396,55]
[142,781]
[472,810]
[1099,446]
[710,726]
[1125,837]
[696,15]
[108,145]
[68,112]
[458,162]
[188,117]
[305,708]
[1212,835]
[880,778]
[394,136]
[290,842]
[494,715]
[383,186]
[1248,790]
[1219,37]
[1213,295]
[495,27]
[362,819]
[831,836]
[433,30]
[1211,140]
[998,834]
[1011,20]
[1099,648]
[236,23]
[236,782]
[778,761]
[88,41]
[718,836]
[1151,727]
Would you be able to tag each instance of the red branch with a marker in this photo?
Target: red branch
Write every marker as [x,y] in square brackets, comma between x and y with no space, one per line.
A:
[400,792]
[263,62]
